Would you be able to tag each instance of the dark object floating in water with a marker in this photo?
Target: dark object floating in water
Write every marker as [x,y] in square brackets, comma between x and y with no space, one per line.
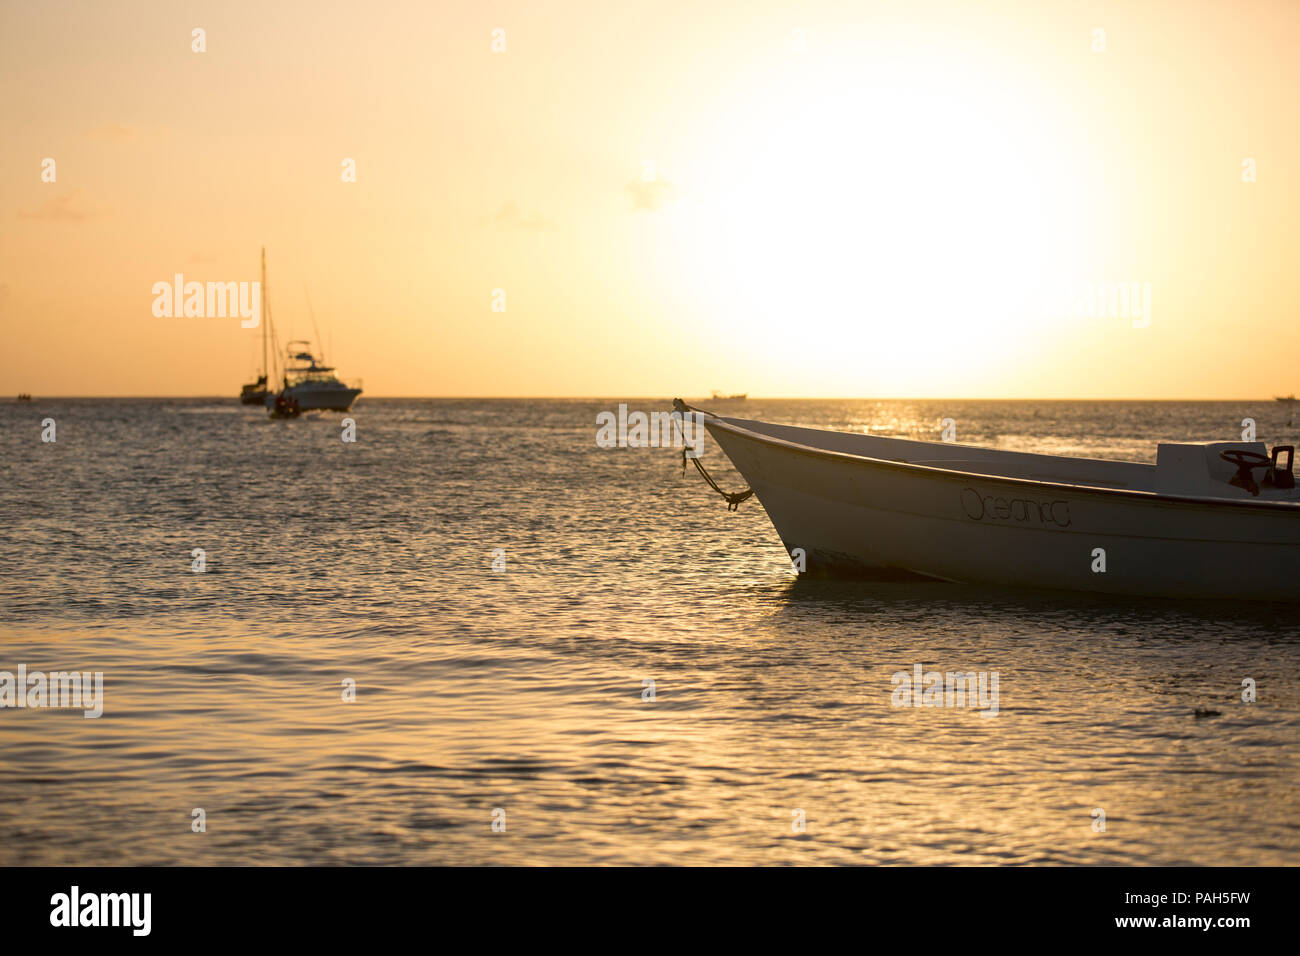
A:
[285,406]
[24,397]
[1207,712]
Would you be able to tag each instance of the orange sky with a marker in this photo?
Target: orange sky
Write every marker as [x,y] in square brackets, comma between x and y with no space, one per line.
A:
[887,203]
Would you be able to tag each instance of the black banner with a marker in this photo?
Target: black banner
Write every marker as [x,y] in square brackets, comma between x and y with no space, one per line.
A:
[1223,906]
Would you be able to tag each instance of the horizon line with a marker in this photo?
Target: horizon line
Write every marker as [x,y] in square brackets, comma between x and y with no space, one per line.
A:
[625,398]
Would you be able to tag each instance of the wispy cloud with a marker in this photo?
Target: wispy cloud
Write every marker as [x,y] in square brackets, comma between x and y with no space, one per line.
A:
[650,196]
[510,217]
[71,206]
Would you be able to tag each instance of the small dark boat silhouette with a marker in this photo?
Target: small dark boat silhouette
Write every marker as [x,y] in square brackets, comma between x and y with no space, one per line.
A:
[257,393]
[285,406]
[254,394]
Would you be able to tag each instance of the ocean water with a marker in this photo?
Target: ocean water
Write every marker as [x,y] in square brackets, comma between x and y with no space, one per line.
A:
[520,697]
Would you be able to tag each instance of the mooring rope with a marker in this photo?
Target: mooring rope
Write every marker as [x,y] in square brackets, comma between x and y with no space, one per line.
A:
[734,498]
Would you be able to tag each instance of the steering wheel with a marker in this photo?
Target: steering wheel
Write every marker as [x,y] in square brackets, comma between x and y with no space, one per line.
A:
[1245,460]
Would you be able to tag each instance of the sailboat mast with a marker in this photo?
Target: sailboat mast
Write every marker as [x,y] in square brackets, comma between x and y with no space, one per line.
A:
[266,371]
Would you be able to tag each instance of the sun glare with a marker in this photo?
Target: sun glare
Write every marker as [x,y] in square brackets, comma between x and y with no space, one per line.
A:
[898,226]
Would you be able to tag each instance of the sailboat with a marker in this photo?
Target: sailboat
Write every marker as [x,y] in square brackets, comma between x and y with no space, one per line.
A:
[257,392]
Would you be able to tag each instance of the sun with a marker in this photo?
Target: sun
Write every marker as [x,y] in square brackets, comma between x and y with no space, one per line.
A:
[892,230]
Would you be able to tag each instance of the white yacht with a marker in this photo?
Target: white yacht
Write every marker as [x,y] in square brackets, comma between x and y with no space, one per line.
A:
[309,386]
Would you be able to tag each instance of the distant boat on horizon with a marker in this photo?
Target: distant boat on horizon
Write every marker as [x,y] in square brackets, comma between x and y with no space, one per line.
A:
[314,386]
[308,385]
[1285,398]
[738,397]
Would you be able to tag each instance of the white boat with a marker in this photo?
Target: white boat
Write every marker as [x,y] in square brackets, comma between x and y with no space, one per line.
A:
[310,385]
[1191,525]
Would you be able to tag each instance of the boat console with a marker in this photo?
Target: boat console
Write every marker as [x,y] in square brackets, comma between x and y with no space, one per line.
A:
[1225,469]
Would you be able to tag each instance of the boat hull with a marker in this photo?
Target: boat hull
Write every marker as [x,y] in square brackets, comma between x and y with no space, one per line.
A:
[321,399]
[853,514]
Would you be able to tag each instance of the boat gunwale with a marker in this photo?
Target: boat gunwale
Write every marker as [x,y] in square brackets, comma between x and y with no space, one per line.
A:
[1292,507]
